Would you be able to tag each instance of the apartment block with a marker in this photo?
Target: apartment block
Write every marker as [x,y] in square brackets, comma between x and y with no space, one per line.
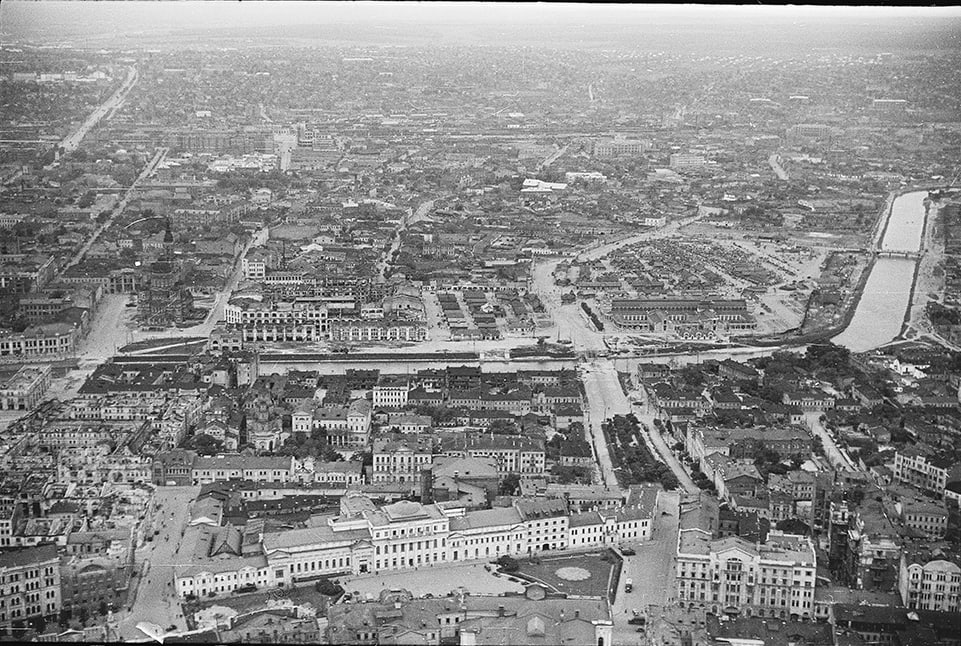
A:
[29,584]
[775,578]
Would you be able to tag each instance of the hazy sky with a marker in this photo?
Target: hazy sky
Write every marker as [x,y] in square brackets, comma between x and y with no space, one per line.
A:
[49,19]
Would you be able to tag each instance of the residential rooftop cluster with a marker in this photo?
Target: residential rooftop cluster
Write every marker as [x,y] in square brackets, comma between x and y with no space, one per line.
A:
[345,335]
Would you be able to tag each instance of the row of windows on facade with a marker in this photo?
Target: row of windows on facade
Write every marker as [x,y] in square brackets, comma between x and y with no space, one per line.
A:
[29,574]
[941,576]
[30,598]
[729,577]
[29,611]
[779,592]
[735,599]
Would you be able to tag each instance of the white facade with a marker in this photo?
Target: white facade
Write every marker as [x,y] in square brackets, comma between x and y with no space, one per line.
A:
[25,389]
[254,269]
[774,579]
[400,461]
[486,534]
[202,580]
[236,467]
[407,535]
[297,312]
[686,160]
[931,585]
[390,395]
[915,469]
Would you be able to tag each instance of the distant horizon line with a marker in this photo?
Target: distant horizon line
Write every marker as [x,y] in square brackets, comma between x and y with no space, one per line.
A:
[52,20]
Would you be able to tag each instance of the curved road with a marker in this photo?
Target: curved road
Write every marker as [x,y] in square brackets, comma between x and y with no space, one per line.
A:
[216,313]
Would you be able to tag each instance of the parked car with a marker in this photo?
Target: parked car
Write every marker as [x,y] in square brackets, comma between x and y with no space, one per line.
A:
[637,621]
[628,551]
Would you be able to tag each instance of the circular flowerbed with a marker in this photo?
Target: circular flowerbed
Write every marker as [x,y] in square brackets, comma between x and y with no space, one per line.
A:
[573,573]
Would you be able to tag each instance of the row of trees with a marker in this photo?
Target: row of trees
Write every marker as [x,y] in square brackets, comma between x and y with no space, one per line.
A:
[590,313]
[632,459]
[302,445]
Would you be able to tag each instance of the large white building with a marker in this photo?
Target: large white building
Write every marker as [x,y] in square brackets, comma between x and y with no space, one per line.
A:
[391,392]
[25,389]
[345,426]
[29,585]
[930,582]
[47,341]
[407,535]
[915,468]
[687,160]
[240,467]
[607,527]
[620,146]
[302,319]
[401,459]
[254,267]
[771,579]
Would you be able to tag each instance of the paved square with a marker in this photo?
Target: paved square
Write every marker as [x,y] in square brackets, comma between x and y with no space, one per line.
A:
[438,581]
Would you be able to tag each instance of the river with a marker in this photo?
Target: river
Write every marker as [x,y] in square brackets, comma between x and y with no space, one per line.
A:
[887,293]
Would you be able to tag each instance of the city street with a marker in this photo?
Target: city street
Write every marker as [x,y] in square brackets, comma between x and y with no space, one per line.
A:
[837,457]
[216,314]
[152,593]
[645,415]
[118,208]
[651,570]
[569,322]
[420,213]
[109,331]
[71,141]
[605,399]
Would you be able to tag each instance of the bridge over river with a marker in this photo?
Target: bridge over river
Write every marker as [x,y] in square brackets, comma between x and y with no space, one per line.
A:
[883,253]
[886,298]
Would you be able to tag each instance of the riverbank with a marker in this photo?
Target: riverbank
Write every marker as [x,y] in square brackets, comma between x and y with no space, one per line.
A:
[885,301]
[870,310]
[881,226]
[926,282]
[909,314]
[828,333]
